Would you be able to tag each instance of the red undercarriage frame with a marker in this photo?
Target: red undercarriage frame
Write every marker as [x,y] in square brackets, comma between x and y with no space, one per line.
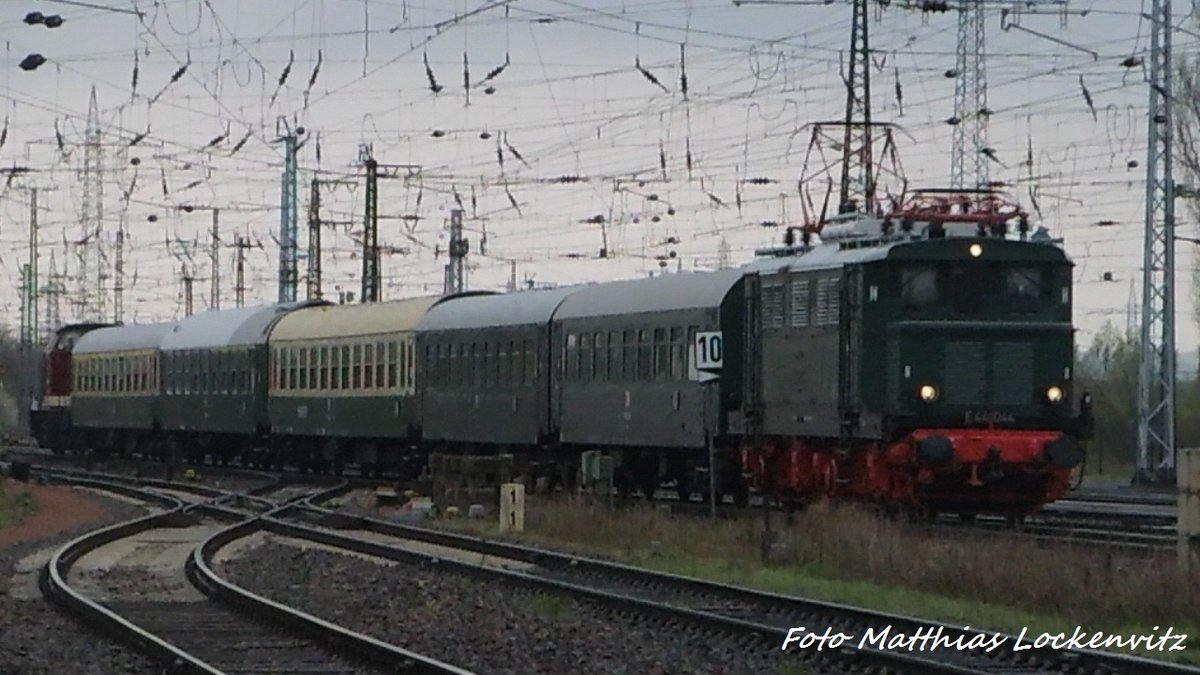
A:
[990,470]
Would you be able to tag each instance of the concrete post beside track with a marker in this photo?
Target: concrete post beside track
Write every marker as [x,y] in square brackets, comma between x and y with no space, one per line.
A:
[512,507]
[1187,466]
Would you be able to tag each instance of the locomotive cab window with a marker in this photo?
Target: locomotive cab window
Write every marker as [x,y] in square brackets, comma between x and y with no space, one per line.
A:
[977,289]
[918,288]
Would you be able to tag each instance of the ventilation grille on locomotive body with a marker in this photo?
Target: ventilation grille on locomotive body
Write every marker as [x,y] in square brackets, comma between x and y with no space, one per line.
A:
[971,378]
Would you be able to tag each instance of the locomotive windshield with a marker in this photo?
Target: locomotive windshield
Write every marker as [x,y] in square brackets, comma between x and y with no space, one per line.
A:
[978,289]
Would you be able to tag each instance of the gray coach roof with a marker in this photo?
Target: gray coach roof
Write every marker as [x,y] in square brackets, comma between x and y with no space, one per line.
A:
[227,327]
[688,290]
[122,338]
[486,311]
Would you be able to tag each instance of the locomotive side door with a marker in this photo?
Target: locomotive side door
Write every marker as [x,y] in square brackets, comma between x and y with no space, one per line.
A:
[850,395]
[752,357]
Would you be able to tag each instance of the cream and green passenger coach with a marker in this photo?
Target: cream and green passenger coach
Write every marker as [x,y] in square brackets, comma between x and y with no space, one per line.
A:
[343,381]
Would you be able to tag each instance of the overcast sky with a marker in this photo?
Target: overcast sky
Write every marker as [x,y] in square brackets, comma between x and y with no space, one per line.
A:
[570,102]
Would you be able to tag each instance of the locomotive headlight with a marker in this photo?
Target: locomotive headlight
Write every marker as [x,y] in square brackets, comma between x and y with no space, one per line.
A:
[1054,394]
[928,393]
[975,250]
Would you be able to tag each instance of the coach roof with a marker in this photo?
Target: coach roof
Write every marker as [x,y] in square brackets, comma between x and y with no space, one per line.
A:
[668,292]
[340,321]
[227,327]
[122,338]
[485,311]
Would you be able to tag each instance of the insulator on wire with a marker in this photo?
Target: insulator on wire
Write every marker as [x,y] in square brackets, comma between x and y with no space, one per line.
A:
[287,70]
[649,75]
[1087,97]
[433,83]
[514,151]
[683,81]
[494,72]
[312,79]
[240,144]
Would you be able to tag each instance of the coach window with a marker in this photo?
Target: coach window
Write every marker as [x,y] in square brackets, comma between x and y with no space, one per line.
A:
[303,382]
[323,368]
[314,367]
[678,354]
[329,373]
[368,366]
[585,357]
[401,365]
[344,366]
[356,362]
[333,363]
[628,355]
[524,363]
[461,377]
[380,366]
[662,354]
[485,375]
[502,366]
[218,374]
[428,372]
[393,365]
[497,365]
[599,357]
[473,355]
[645,356]
[613,367]
[410,368]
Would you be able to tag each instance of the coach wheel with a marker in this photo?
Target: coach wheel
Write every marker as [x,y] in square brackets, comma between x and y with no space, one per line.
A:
[648,480]
[741,495]
[683,487]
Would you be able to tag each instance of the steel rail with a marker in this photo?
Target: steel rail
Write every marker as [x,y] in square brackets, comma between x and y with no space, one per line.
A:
[783,604]
[54,585]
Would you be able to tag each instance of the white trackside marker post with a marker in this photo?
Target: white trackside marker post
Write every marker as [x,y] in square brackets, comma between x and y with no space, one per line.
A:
[708,357]
[512,507]
[1187,472]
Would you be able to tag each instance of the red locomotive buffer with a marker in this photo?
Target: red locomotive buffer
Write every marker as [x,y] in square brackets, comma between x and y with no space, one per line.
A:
[962,470]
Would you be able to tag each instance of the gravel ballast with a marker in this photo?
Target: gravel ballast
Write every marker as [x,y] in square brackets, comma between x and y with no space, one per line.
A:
[482,625]
[34,636]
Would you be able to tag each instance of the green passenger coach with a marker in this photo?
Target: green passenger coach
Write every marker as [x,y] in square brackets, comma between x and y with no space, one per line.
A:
[343,382]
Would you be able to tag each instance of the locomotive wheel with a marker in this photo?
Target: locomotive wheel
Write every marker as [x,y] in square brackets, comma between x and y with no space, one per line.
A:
[967,518]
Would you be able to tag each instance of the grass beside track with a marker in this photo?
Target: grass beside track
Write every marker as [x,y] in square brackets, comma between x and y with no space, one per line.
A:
[847,555]
[15,505]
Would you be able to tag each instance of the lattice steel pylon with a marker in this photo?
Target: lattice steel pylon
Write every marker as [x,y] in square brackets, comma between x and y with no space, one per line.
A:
[967,160]
[288,273]
[858,165]
[91,260]
[1156,385]
[371,282]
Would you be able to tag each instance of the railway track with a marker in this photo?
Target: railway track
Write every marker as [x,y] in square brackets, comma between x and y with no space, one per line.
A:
[761,620]
[757,620]
[227,629]
[1142,523]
